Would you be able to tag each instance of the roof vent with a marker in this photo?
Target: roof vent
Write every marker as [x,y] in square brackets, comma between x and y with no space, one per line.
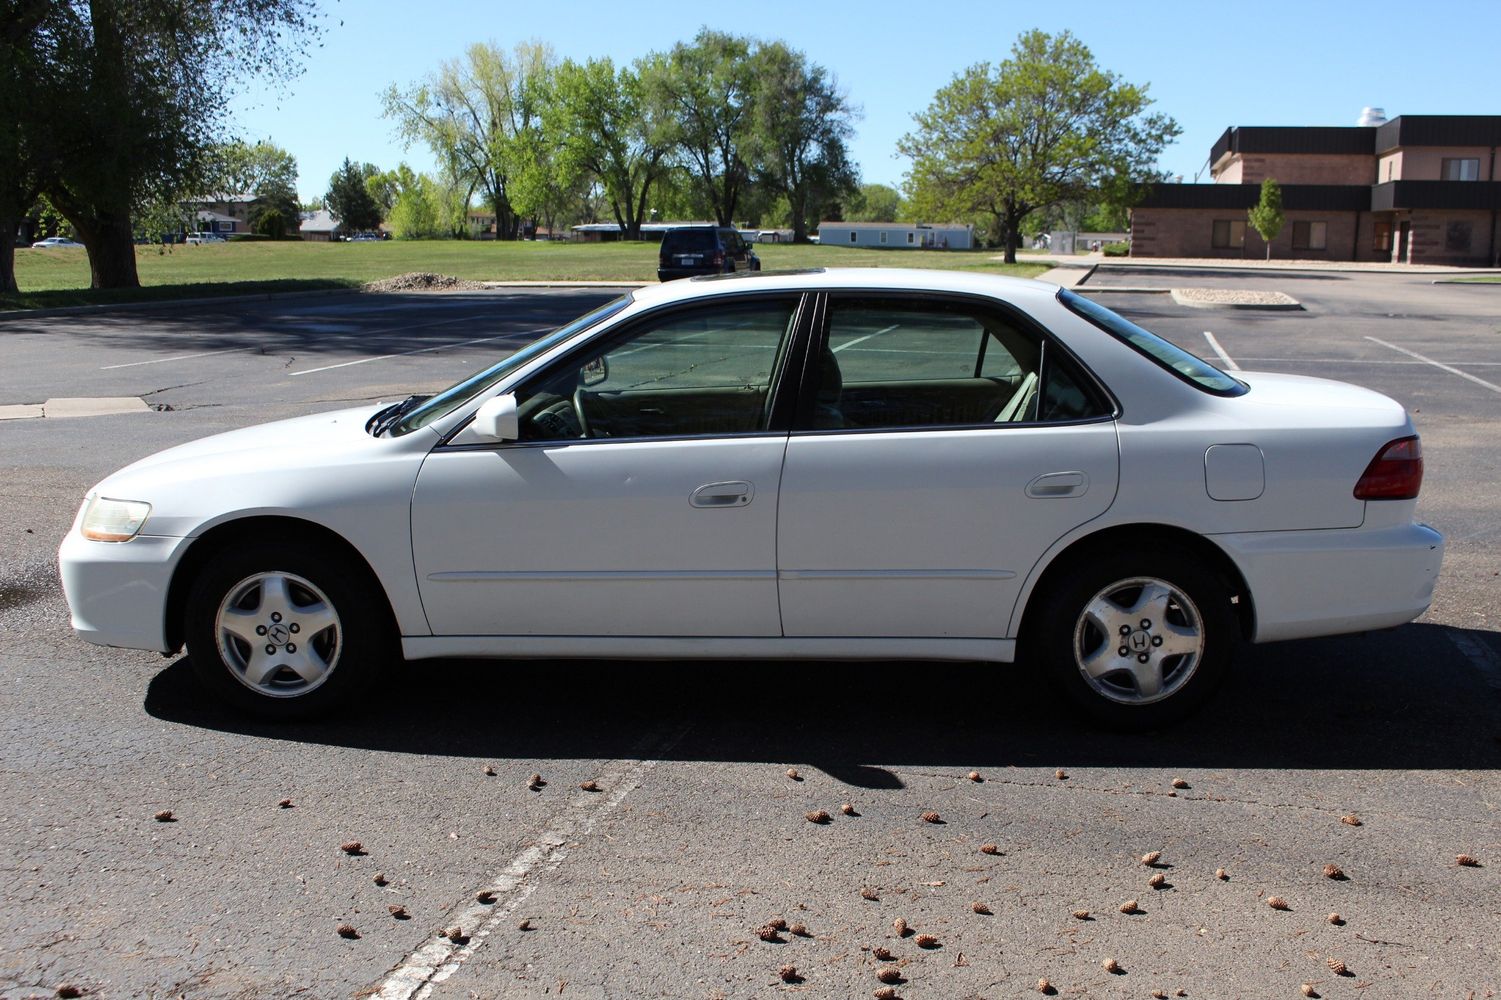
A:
[1371,116]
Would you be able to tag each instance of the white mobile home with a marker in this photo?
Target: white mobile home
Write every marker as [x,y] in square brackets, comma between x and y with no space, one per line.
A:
[897,235]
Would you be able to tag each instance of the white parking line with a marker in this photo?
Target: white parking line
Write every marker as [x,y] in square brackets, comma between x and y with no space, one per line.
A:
[1215,345]
[1493,387]
[860,340]
[1362,361]
[179,357]
[421,350]
[433,962]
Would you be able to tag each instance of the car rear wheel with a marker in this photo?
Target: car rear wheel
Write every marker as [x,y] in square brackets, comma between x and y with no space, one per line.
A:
[1137,639]
[285,630]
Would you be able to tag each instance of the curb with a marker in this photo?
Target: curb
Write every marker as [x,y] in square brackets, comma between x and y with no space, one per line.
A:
[1142,263]
[1290,306]
[1465,281]
[11,314]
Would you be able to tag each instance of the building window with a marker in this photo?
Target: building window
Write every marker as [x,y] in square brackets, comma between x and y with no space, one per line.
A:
[883,237]
[1457,237]
[1381,239]
[1457,169]
[854,236]
[1310,235]
[911,239]
[1228,234]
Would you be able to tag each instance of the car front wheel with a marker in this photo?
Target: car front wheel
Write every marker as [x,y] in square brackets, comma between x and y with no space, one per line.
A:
[286,631]
[1137,640]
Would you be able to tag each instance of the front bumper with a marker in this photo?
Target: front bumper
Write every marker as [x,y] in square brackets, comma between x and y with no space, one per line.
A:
[117,591]
[1312,583]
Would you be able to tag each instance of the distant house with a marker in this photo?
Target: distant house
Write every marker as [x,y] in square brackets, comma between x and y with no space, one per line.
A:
[223,213]
[897,235]
[319,226]
[608,232]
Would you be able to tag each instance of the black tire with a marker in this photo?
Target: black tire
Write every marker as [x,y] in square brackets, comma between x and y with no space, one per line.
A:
[1064,638]
[356,647]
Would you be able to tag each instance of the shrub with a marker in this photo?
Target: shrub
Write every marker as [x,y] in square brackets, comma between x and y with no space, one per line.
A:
[1116,249]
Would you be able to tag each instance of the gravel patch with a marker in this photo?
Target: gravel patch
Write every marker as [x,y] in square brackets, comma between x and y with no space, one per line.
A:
[424,281]
[1233,298]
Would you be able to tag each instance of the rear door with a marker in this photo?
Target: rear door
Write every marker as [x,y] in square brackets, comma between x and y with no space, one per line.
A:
[945,445]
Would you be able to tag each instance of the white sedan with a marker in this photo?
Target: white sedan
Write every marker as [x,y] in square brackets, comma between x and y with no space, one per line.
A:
[54,241]
[842,464]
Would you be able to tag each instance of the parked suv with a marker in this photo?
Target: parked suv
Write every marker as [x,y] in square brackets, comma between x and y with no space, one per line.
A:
[691,250]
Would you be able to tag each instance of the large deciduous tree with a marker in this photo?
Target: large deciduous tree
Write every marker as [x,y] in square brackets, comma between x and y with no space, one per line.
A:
[29,36]
[803,123]
[264,170]
[707,90]
[128,101]
[478,114]
[1044,126]
[608,128]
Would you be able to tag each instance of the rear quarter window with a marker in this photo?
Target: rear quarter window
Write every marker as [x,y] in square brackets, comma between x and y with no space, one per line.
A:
[1189,367]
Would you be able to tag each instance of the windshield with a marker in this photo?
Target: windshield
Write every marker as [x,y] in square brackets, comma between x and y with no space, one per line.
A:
[455,396]
[1175,359]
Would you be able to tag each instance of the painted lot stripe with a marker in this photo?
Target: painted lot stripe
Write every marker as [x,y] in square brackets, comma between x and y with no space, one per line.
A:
[860,340]
[178,357]
[1493,387]
[1215,346]
[422,350]
[438,959]
[1365,361]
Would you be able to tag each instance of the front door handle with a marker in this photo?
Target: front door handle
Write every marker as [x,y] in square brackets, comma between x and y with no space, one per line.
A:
[732,494]
[1058,484]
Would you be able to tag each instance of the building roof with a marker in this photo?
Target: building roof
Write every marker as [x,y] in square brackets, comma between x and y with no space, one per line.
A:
[1360,140]
[958,226]
[321,221]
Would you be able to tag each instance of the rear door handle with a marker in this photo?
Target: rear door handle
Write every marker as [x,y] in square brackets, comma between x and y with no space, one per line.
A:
[1058,484]
[732,494]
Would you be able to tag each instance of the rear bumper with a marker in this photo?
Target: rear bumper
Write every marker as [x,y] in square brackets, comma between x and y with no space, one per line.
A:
[117,591]
[1312,583]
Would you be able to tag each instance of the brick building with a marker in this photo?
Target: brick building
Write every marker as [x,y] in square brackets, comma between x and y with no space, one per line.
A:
[1420,189]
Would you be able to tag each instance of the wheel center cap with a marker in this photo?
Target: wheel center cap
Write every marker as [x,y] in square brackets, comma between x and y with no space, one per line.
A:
[279,635]
[1139,641]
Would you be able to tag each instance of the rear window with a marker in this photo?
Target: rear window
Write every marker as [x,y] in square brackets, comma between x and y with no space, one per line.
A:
[1189,367]
[689,239]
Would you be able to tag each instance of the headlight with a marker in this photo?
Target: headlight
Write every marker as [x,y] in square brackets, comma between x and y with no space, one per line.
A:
[109,520]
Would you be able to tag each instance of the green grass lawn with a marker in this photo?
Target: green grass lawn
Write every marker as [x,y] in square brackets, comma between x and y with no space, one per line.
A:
[1484,279]
[61,276]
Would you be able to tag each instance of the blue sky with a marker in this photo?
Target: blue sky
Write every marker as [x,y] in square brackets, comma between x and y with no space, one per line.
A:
[1208,65]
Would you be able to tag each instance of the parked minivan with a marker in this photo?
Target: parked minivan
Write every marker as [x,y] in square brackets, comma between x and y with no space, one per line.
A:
[690,250]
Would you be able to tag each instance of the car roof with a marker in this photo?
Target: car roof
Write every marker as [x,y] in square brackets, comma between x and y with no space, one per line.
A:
[858,279]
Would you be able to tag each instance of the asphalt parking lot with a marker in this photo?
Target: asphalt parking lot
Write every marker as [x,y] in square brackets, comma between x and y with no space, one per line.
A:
[655,885]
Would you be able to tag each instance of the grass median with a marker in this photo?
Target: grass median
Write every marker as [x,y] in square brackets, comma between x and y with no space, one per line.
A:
[60,277]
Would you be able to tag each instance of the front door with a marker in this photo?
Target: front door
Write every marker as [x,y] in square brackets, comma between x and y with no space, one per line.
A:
[948,446]
[641,499]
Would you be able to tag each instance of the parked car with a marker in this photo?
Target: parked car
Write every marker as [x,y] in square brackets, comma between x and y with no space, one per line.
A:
[692,250]
[874,463]
[364,238]
[54,241]
[197,239]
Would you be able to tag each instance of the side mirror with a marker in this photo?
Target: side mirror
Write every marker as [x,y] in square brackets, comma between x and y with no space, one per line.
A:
[497,419]
[595,372]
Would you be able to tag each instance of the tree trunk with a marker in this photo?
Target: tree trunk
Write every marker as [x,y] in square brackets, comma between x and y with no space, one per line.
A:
[8,257]
[1011,227]
[797,201]
[112,253]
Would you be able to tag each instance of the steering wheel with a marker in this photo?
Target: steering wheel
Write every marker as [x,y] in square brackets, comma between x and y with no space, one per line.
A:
[578,412]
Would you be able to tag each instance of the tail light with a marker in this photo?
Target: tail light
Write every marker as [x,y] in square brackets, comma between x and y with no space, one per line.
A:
[717,259]
[1396,473]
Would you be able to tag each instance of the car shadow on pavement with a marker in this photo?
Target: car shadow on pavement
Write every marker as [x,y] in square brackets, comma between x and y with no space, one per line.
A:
[1408,698]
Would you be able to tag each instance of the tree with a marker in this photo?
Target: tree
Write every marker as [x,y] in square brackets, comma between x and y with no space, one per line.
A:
[348,199]
[707,90]
[803,123]
[133,97]
[477,116]
[874,203]
[264,170]
[1266,218]
[1045,126]
[602,119]
[29,31]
